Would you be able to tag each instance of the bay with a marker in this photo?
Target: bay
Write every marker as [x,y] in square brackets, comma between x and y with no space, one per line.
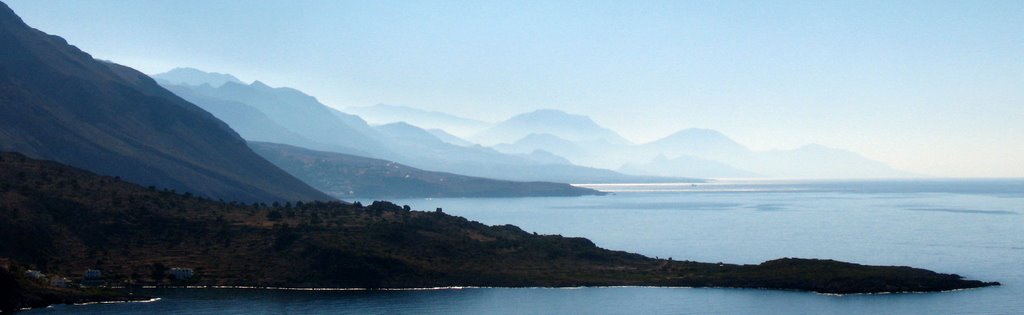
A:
[969,227]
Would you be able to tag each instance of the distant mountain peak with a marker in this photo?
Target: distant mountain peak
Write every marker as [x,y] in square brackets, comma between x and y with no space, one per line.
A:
[543,115]
[540,136]
[193,76]
[547,111]
[401,125]
[703,134]
[8,16]
[550,121]
[699,131]
[707,143]
[260,84]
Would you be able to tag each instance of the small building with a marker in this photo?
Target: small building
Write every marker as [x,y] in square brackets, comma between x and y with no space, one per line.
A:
[93,274]
[181,273]
[59,282]
[34,274]
[93,278]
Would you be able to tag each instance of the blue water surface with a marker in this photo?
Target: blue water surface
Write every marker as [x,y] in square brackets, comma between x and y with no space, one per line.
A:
[974,228]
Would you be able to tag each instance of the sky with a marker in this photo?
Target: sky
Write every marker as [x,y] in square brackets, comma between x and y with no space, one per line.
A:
[932,87]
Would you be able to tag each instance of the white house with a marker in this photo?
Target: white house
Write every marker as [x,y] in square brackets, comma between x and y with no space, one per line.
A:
[181,273]
[59,282]
[34,274]
[93,274]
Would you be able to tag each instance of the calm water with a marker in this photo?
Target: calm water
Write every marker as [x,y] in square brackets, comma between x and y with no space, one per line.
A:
[971,227]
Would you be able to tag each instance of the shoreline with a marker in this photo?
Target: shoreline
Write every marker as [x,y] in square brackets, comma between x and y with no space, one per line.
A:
[455,288]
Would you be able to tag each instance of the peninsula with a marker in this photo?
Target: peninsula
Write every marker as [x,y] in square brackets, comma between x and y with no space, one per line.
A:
[64,220]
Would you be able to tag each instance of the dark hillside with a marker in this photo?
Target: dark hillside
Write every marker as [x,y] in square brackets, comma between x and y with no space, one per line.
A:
[63,220]
[58,103]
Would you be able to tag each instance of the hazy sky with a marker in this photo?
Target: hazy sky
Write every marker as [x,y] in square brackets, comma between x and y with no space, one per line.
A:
[934,87]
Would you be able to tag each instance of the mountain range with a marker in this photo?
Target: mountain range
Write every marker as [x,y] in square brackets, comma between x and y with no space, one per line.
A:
[319,126]
[59,103]
[566,147]
[331,130]
[695,152]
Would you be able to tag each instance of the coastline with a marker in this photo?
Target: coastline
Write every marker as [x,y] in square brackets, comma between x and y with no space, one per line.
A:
[443,288]
[456,288]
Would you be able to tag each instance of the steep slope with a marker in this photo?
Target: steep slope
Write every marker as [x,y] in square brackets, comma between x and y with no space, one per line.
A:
[450,138]
[549,121]
[349,176]
[58,103]
[133,233]
[249,122]
[301,114]
[386,114]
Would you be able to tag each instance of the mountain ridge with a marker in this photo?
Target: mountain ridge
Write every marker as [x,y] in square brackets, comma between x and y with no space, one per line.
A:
[391,143]
[59,103]
[348,176]
[193,76]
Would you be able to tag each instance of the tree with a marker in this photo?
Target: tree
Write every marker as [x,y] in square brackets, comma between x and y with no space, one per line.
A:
[159,271]
[274,215]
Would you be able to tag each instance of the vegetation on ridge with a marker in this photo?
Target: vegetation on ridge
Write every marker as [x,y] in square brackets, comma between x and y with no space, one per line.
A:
[63,221]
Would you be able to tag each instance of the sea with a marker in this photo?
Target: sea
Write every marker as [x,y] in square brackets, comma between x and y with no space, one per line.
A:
[970,227]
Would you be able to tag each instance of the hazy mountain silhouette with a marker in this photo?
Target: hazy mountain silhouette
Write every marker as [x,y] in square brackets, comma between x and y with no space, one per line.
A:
[571,127]
[545,157]
[422,150]
[58,103]
[707,153]
[192,76]
[299,113]
[248,121]
[400,142]
[699,146]
[546,142]
[450,138]
[385,114]
[349,176]
[704,143]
